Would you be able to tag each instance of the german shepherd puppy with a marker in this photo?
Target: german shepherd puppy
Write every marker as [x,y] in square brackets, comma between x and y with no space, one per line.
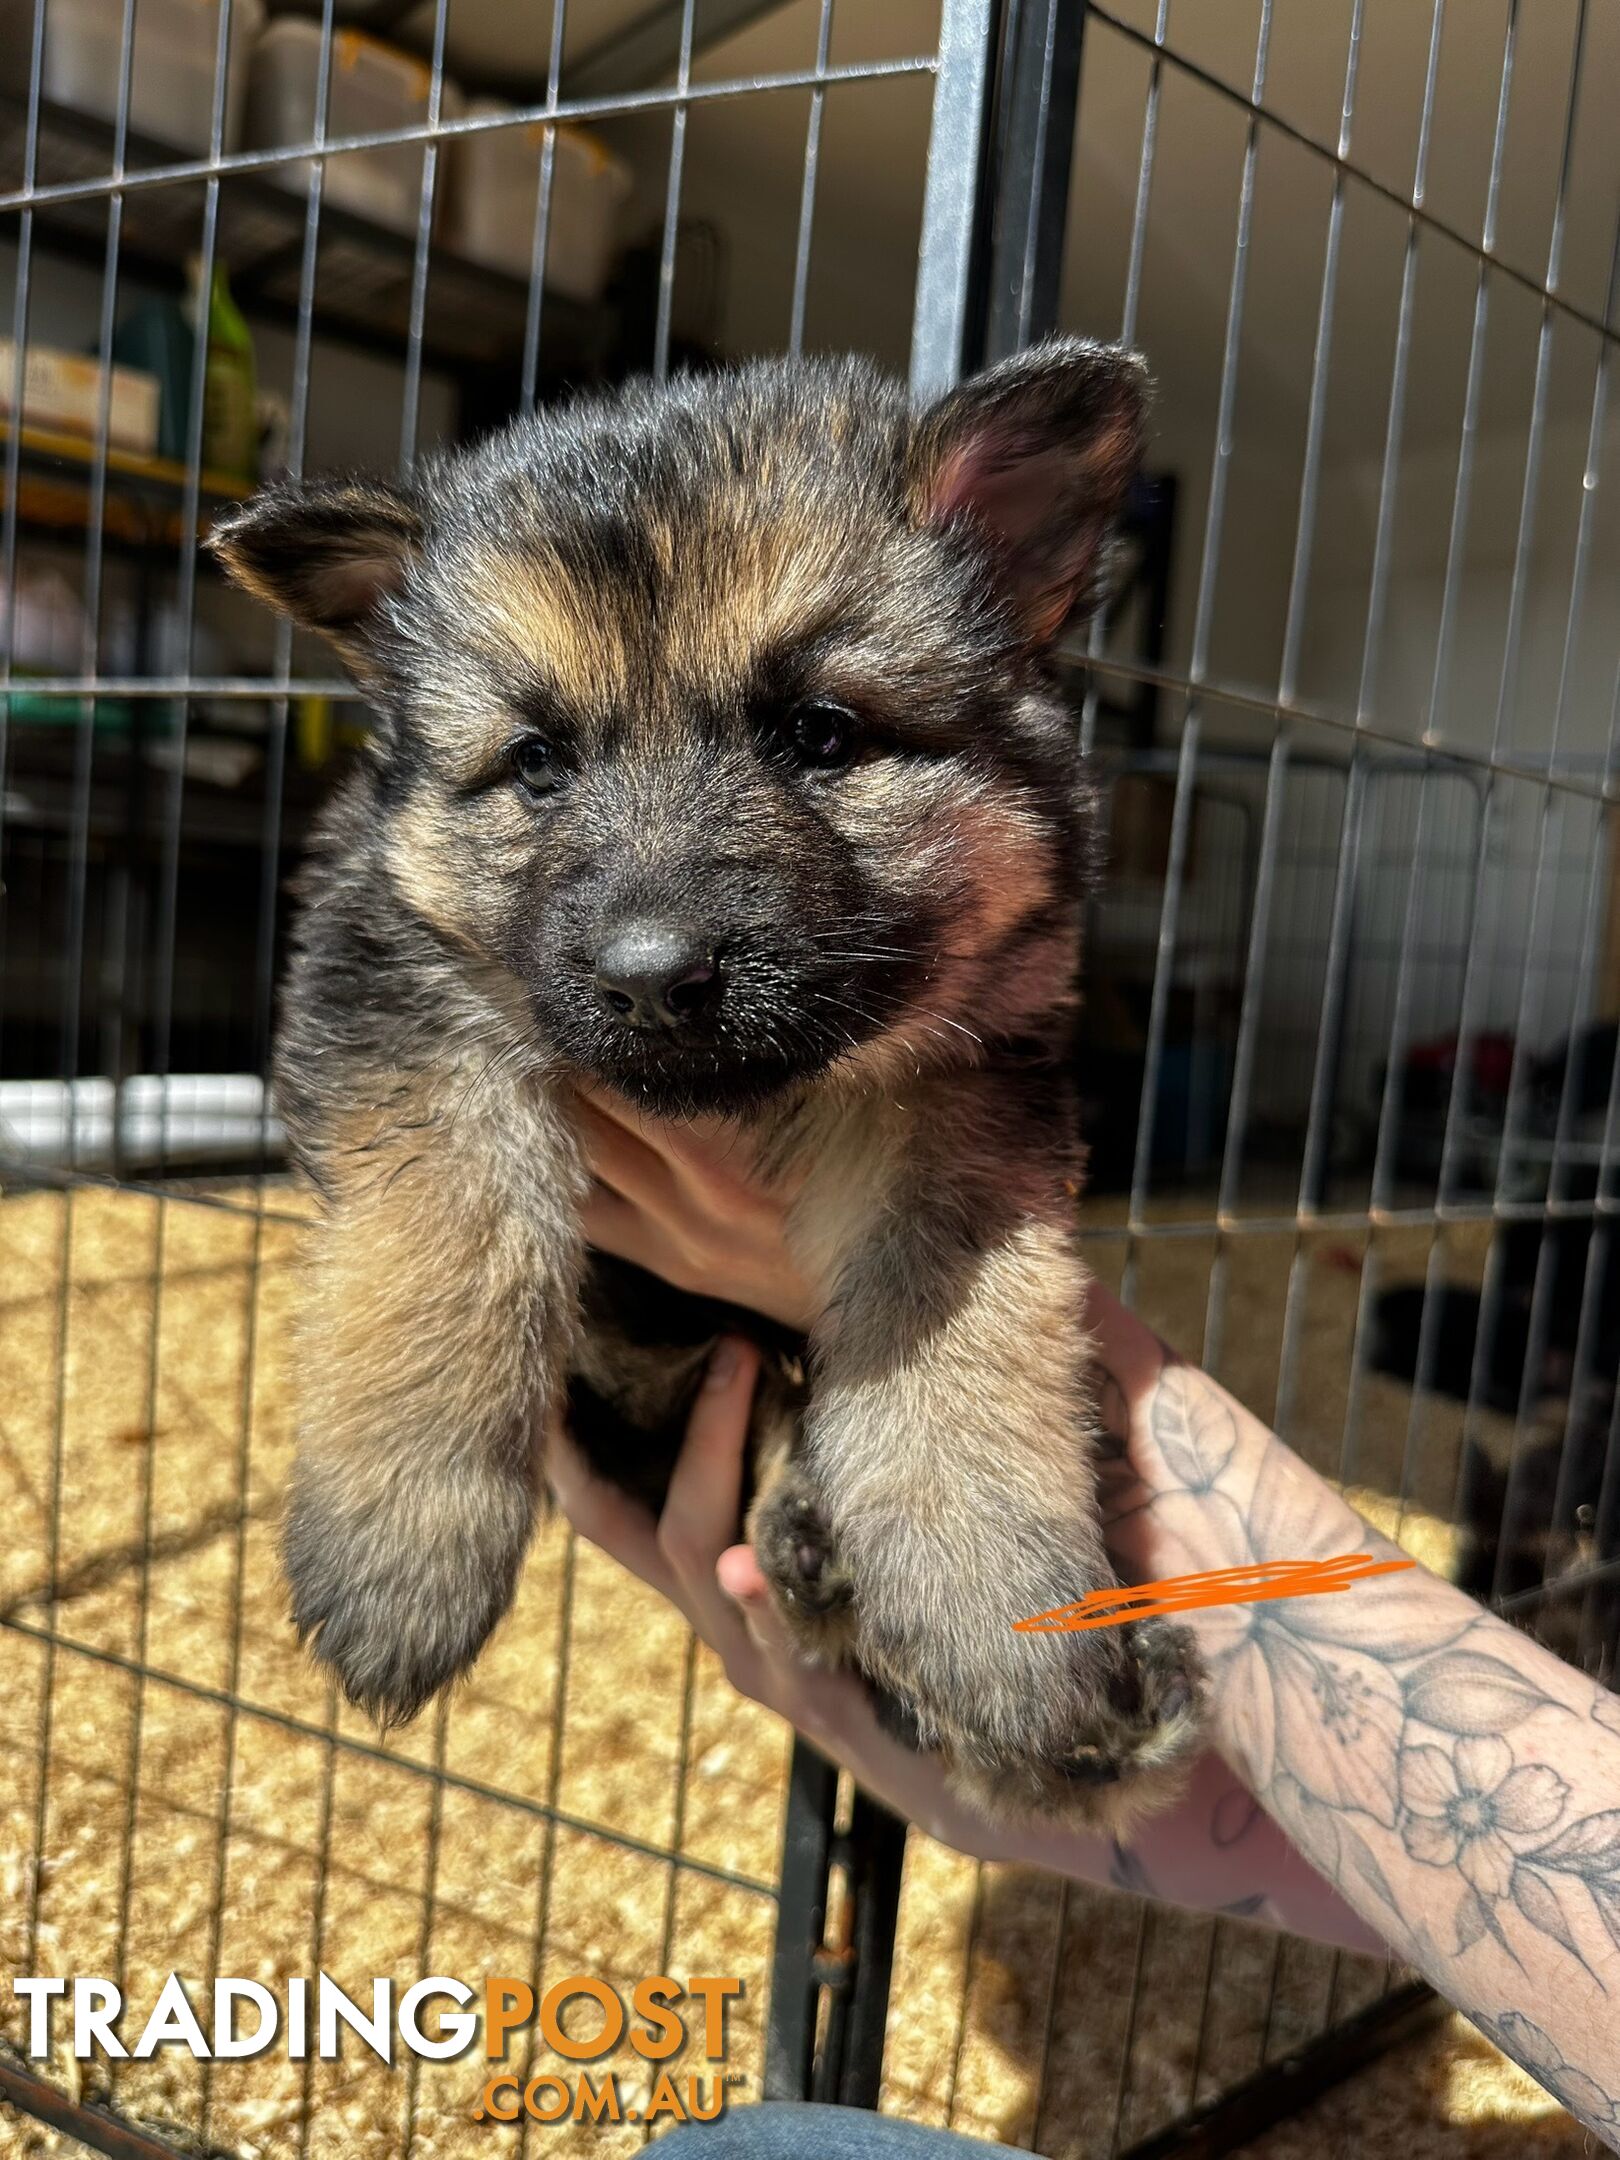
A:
[718,761]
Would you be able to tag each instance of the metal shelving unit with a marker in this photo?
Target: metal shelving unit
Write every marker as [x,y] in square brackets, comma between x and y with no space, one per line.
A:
[475,316]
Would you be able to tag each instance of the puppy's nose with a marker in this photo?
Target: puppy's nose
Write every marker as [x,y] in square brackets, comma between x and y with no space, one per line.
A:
[652,974]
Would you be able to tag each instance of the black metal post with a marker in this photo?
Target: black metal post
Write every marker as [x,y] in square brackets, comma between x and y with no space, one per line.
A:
[947,330]
[876,1854]
[830,2000]
[1031,160]
[1281,2089]
[800,1918]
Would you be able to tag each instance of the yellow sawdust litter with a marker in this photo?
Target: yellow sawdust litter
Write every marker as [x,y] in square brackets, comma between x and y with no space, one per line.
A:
[1449,2094]
[147,1365]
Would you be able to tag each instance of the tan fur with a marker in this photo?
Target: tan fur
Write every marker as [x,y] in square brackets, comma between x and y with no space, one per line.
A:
[925,1407]
[424,867]
[534,608]
[413,1277]
[747,585]
[427,1315]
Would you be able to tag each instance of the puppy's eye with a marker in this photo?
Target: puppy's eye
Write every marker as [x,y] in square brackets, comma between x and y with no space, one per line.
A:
[535,765]
[823,734]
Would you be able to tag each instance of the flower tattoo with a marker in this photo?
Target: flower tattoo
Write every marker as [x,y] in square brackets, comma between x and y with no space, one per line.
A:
[1462,1809]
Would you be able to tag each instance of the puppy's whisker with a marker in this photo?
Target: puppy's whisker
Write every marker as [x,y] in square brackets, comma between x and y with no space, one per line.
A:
[945,1020]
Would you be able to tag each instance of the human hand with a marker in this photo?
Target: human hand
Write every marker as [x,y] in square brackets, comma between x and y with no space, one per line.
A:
[691,1556]
[681,1201]
[684,1202]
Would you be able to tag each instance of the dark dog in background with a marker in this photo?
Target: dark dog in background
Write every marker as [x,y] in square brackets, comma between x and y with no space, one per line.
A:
[1539,1342]
[718,761]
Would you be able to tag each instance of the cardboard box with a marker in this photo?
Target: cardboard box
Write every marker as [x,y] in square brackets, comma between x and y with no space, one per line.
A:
[63,390]
[373,86]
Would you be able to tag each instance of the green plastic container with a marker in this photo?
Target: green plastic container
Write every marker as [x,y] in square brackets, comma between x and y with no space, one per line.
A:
[157,338]
[109,716]
[230,384]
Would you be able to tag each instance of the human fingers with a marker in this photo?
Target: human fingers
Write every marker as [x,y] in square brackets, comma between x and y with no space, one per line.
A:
[825,1705]
[702,1510]
[740,1576]
[710,1154]
[681,1218]
[688,1555]
[721,1582]
[831,1707]
[624,1160]
[614,1225]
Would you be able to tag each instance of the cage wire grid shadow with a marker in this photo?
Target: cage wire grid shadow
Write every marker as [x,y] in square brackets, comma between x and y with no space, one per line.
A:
[1311,889]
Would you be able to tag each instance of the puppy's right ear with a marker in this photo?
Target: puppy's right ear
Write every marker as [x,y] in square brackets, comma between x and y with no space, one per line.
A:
[329,553]
[1036,458]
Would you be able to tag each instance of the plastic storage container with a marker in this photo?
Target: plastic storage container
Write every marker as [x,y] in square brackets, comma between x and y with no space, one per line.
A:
[171,89]
[63,391]
[373,87]
[494,188]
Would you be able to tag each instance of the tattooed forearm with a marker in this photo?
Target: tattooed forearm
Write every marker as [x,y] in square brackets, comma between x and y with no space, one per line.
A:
[1457,1784]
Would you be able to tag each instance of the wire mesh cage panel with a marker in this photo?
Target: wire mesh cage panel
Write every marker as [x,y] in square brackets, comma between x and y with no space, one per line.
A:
[181,1794]
[1352,974]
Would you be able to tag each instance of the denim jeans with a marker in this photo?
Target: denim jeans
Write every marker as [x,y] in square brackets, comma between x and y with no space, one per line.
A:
[789,2130]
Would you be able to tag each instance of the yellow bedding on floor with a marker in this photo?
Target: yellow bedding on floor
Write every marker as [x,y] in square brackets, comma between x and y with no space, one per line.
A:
[146,1376]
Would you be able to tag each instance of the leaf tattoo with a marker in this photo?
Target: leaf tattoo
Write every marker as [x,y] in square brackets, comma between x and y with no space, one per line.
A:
[1383,1735]
[1538,1901]
[1359,1855]
[1522,2039]
[1606,1897]
[1473,1918]
[1236,1814]
[1196,1436]
[1469,1693]
[1590,1847]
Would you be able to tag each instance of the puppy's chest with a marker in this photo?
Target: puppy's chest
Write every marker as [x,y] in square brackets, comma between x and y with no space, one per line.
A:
[845,1173]
[862,1168]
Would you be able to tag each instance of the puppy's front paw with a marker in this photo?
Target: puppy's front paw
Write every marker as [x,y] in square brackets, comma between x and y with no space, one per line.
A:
[1126,1735]
[397,1582]
[799,1559]
[1093,1726]
[1138,1738]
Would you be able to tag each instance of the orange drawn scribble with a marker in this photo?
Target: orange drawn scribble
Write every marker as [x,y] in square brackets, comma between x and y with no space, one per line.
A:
[1257,1585]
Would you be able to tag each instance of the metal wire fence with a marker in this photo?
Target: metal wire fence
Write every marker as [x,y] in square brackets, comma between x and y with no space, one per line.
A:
[1425,1007]
[1350,1068]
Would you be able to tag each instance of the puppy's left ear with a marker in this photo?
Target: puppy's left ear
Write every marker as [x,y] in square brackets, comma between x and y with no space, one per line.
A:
[331,553]
[1037,456]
